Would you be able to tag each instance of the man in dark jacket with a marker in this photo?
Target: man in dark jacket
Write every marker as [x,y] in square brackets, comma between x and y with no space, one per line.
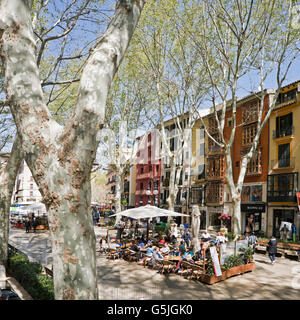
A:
[272,249]
[34,224]
[27,225]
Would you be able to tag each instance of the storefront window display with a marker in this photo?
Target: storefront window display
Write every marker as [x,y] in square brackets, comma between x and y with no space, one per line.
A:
[252,193]
[281,215]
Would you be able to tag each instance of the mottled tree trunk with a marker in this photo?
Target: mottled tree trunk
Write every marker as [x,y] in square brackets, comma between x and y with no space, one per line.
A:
[61,158]
[8,175]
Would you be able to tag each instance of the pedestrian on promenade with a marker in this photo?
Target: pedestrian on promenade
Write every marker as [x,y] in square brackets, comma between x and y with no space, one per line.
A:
[252,241]
[294,232]
[27,225]
[272,249]
[34,224]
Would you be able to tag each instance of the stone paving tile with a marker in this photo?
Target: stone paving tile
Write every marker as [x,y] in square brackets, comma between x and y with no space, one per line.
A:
[123,280]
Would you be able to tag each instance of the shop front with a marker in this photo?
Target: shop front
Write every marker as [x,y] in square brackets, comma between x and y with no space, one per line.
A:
[253,217]
[213,217]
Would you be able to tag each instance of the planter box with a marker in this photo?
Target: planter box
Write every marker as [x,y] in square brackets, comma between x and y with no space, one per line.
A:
[228,273]
[212,279]
[240,269]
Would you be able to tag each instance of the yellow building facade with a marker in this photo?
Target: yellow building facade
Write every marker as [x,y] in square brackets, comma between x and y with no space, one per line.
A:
[284,161]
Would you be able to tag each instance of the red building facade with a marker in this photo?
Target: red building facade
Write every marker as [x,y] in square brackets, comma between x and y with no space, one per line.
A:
[148,171]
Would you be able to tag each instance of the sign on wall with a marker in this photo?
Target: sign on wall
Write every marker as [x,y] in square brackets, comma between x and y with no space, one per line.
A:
[252,193]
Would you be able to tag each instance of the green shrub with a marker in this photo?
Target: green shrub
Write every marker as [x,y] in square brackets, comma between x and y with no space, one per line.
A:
[210,271]
[246,254]
[230,236]
[260,234]
[233,261]
[29,275]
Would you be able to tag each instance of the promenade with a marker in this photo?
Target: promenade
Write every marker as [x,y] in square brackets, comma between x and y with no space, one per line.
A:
[123,280]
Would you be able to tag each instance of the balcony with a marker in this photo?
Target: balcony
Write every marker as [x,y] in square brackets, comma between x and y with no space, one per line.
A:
[145,175]
[282,196]
[283,163]
[197,195]
[282,187]
[289,131]
[214,193]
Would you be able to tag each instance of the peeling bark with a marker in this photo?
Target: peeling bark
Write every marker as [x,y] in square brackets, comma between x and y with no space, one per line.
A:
[61,158]
[7,180]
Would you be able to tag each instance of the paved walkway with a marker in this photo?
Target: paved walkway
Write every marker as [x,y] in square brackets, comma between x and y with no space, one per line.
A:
[123,280]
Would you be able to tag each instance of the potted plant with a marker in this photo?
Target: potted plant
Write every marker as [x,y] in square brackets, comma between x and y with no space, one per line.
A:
[225,220]
[209,277]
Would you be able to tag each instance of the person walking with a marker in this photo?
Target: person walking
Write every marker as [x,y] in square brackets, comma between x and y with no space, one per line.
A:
[27,225]
[272,249]
[252,241]
[187,237]
[294,232]
[34,224]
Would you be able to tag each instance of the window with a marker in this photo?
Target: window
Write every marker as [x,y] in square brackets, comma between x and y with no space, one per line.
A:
[141,186]
[249,133]
[214,192]
[288,96]
[250,112]
[284,125]
[202,133]
[212,145]
[197,195]
[172,144]
[283,187]
[284,155]
[254,164]
[201,171]
[215,167]
[202,149]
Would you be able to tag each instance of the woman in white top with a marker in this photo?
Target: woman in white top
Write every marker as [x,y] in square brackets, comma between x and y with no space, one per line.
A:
[174,231]
[220,238]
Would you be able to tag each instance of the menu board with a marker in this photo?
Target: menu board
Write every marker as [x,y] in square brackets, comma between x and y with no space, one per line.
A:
[215,259]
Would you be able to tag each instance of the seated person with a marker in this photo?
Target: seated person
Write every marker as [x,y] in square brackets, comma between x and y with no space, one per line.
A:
[136,249]
[173,239]
[220,238]
[141,243]
[103,244]
[165,249]
[182,247]
[148,244]
[197,256]
[150,251]
[114,245]
[162,241]
[205,236]
[188,257]
[187,253]
[156,255]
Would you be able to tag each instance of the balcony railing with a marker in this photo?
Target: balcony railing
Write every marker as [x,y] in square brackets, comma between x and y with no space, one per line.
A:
[283,163]
[282,196]
[144,175]
[283,132]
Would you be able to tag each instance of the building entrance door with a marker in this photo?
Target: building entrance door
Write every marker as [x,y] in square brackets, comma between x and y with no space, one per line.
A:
[279,216]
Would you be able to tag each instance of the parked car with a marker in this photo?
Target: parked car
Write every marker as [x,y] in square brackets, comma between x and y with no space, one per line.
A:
[8,294]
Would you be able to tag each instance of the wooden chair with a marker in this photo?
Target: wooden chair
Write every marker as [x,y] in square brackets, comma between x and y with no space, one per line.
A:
[113,253]
[156,264]
[186,268]
[168,266]
[197,270]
